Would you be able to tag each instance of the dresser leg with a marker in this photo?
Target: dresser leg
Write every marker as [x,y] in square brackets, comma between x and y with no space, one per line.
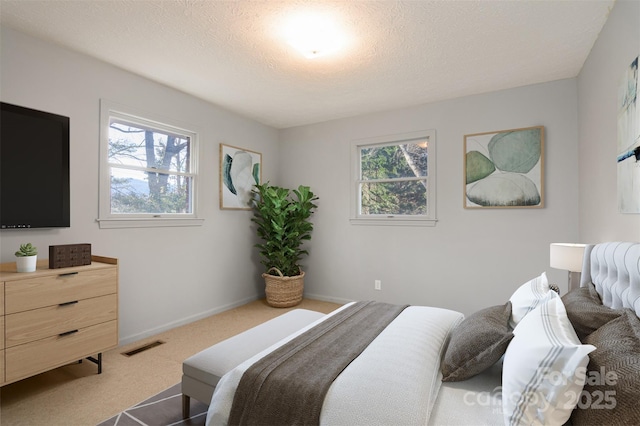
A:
[96,361]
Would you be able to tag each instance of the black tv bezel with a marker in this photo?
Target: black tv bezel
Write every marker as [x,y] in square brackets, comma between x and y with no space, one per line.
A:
[65,213]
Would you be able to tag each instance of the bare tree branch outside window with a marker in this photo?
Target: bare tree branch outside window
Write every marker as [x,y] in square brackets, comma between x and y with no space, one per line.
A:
[150,170]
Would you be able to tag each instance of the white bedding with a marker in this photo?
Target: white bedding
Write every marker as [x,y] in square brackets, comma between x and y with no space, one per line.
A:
[476,401]
[375,389]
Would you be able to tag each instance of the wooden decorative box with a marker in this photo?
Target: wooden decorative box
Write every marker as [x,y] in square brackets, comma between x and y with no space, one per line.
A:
[65,256]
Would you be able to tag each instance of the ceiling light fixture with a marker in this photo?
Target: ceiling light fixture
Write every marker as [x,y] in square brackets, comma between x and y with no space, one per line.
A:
[313,35]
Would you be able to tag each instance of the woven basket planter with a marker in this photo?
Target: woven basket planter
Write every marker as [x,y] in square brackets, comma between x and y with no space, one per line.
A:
[283,292]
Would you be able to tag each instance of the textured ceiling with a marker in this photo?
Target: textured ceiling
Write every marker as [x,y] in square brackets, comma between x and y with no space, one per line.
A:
[399,53]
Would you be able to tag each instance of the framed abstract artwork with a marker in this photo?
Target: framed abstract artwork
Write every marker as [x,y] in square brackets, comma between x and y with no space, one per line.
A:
[504,169]
[240,170]
[628,152]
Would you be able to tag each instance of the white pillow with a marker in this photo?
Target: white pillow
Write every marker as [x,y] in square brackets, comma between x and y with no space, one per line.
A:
[544,368]
[528,296]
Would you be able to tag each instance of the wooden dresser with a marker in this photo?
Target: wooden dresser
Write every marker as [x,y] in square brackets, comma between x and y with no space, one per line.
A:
[53,317]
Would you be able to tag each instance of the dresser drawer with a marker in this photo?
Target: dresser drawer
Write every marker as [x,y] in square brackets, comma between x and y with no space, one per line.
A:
[42,355]
[36,324]
[33,293]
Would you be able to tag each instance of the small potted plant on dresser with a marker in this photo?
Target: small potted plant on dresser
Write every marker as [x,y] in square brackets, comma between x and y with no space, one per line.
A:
[26,258]
[282,216]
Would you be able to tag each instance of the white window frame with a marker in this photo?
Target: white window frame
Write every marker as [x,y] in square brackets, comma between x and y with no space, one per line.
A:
[106,219]
[428,219]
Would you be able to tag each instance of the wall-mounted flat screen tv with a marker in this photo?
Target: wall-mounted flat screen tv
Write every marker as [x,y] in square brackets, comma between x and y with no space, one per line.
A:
[34,168]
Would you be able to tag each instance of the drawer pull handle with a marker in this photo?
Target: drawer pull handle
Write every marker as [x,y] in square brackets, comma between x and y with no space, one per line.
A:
[68,274]
[66,333]
[68,303]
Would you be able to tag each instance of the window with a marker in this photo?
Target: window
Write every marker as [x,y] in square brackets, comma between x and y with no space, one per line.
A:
[148,171]
[394,180]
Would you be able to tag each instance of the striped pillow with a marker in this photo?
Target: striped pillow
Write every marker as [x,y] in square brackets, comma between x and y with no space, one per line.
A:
[528,296]
[544,368]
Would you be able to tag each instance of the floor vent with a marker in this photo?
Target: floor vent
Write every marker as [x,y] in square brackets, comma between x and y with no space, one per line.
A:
[143,348]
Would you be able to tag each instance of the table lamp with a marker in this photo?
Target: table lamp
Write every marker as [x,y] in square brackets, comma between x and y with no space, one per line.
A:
[568,257]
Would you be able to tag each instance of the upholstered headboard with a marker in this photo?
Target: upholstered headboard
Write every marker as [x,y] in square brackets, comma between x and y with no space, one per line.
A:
[614,269]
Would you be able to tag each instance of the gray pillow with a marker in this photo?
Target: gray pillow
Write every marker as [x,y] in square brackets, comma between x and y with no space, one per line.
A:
[608,399]
[477,343]
[586,311]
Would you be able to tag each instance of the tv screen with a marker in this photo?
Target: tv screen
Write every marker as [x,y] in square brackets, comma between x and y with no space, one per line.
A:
[34,168]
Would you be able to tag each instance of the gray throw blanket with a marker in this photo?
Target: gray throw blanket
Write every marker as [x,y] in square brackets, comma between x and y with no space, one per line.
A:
[288,386]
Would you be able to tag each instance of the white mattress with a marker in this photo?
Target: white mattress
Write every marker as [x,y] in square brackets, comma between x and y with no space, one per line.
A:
[394,381]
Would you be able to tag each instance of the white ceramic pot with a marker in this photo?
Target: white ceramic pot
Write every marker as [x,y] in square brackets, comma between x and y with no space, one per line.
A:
[26,263]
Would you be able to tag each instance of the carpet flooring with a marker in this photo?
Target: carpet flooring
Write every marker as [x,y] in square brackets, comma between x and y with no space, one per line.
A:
[74,395]
[163,409]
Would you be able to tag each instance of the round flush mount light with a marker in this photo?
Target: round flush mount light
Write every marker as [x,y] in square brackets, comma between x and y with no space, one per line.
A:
[313,34]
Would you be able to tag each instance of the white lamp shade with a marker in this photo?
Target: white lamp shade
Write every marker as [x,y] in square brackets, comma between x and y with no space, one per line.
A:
[566,256]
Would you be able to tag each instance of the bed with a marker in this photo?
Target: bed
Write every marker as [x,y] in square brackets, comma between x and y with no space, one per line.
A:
[539,358]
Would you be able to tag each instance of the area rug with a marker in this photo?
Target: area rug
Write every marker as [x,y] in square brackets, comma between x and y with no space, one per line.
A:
[163,409]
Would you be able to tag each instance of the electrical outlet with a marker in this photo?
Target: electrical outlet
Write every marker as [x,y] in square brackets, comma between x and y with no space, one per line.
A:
[377,285]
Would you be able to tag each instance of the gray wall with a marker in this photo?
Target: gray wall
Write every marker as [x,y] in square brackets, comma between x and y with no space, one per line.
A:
[472,258]
[598,85]
[168,276]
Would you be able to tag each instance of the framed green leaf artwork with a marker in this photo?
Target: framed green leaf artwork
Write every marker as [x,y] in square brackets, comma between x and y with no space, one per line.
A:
[240,170]
[504,169]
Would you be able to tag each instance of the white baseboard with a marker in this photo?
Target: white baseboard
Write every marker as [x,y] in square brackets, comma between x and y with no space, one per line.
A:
[324,298]
[165,327]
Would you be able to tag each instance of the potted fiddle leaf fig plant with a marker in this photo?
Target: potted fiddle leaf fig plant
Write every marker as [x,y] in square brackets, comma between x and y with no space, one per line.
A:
[283,225]
[26,258]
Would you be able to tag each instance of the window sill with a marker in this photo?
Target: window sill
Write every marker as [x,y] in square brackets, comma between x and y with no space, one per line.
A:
[147,222]
[394,221]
